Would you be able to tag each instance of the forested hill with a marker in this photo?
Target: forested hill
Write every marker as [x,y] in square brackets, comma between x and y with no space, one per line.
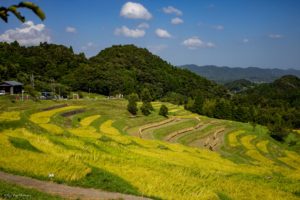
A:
[283,92]
[128,69]
[228,74]
[48,64]
[118,69]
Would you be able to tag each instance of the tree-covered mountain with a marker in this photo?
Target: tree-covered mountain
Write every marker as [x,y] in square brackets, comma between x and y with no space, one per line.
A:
[239,85]
[118,69]
[283,92]
[227,74]
[127,69]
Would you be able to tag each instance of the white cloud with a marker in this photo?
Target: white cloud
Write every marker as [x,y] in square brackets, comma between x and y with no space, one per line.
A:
[210,45]
[275,36]
[70,29]
[245,40]
[157,48]
[176,20]
[28,35]
[135,11]
[195,42]
[133,33]
[162,33]
[172,10]
[218,27]
[88,46]
[143,25]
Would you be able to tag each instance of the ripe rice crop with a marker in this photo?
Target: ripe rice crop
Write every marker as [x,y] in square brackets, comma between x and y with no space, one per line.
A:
[107,128]
[88,120]
[232,137]
[246,141]
[41,164]
[10,116]
[44,117]
[263,146]
[254,154]
[52,128]
[113,161]
[85,132]
[292,159]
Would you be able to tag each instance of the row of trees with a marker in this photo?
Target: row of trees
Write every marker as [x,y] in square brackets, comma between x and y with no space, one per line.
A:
[146,107]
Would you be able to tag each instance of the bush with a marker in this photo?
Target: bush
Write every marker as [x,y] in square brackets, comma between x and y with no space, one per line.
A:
[291,139]
[163,111]
[277,132]
[146,108]
[132,105]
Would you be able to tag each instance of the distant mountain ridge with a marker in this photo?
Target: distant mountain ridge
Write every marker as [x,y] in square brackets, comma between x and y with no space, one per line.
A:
[228,74]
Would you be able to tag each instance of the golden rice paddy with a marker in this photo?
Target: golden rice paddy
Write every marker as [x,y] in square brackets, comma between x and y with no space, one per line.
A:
[153,168]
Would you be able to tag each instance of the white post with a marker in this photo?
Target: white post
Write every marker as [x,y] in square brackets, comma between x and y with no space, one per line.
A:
[22,95]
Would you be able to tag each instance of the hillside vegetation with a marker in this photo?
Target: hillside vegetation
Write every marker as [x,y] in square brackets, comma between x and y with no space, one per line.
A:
[127,69]
[185,156]
[239,85]
[118,69]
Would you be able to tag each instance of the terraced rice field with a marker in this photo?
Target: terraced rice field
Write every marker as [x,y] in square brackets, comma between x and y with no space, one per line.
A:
[10,116]
[263,146]
[233,138]
[98,151]
[88,120]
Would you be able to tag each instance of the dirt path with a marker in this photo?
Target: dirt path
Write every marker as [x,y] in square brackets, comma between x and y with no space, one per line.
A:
[182,131]
[201,126]
[65,191]
[155,125]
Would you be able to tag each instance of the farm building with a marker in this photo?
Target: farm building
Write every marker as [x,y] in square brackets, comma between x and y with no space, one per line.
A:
[11,87]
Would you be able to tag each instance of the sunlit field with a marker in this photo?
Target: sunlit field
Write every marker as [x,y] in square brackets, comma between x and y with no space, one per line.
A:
[104,147]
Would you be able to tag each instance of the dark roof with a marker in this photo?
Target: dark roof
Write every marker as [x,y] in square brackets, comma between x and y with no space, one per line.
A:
[10,83]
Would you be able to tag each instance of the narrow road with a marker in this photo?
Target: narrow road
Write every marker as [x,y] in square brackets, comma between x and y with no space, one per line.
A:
[65,191]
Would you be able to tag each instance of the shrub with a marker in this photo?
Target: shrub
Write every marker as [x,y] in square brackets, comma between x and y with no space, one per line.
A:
[277,132]
[146,108]
[291,139]
[132,105]
[163,111]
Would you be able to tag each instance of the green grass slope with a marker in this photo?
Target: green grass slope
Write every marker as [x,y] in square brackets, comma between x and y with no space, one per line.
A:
[191,157]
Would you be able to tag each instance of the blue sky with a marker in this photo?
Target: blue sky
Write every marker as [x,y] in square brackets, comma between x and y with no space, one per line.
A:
[236,33]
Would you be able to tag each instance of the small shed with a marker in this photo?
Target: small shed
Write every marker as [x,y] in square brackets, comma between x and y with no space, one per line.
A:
[11,87]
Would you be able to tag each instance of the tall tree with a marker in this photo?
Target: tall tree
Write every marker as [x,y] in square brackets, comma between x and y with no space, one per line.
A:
[132,103]
[146,98]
